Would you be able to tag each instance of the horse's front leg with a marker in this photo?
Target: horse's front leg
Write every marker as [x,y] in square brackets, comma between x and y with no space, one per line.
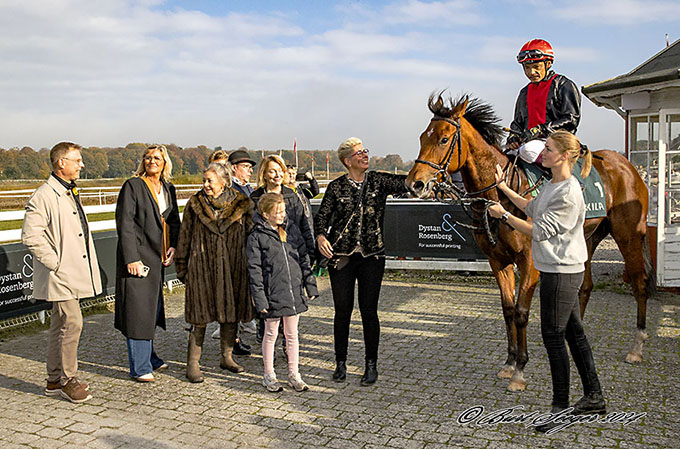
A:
[528,277]
[505,277]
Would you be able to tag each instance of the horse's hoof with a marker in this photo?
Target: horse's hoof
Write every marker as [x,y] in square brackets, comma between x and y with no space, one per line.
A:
[633,358]
[517,385]
[506,372]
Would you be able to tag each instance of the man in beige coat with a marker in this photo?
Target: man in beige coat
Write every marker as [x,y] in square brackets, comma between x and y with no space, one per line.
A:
[65,267]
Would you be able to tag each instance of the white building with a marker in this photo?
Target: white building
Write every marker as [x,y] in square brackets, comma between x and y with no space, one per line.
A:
[648,99]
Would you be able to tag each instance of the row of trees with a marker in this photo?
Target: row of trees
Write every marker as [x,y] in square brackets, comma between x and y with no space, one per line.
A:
[26,163]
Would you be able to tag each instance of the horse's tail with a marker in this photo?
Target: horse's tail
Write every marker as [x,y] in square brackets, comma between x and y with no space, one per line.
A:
[650,270]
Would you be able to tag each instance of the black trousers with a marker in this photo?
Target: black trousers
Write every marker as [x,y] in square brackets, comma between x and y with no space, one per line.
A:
[367,272]
[560,320]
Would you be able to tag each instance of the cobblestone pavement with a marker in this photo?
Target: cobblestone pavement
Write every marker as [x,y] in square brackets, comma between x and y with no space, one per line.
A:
[441,347]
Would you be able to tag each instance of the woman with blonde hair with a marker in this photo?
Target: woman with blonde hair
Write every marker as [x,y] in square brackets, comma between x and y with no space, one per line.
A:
[272,177]
[147,223]
[559,251]
[349,231]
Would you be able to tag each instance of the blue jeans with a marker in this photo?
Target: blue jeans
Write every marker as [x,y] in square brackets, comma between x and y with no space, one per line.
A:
[142,356]
[560,321]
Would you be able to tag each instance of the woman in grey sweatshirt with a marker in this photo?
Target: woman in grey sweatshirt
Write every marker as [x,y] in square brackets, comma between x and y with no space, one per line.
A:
[559,251]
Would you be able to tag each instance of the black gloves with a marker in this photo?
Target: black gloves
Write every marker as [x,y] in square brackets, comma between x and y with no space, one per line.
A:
[531,134]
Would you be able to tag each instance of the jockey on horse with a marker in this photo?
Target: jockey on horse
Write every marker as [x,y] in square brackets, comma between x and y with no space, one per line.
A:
[548,103]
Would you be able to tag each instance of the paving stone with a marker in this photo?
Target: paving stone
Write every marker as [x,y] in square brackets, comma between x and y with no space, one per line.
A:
[435,363]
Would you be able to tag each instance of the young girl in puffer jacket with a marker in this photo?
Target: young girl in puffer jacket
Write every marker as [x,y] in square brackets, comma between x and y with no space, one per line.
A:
[279,276]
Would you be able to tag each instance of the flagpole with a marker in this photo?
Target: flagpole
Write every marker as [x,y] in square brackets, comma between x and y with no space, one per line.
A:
[295,152]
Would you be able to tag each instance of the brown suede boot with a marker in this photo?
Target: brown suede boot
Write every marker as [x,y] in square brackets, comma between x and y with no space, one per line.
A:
[227,336]
[196,337]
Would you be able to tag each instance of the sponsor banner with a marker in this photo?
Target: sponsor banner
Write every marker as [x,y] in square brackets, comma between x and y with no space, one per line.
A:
[420,228]
[16,275]
[412,228]
[428,229]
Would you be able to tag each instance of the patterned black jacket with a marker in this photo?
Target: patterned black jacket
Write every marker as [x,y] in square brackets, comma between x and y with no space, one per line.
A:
[366,228]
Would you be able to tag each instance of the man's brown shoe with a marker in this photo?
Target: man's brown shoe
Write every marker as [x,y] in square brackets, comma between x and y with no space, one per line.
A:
[54,388]
[74,392]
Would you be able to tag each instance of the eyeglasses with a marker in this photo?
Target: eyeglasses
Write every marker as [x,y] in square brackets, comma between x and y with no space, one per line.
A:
[77,161]
[153,158]
[361,152]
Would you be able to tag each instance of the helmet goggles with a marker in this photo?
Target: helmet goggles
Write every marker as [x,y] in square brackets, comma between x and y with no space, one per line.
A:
[533,55]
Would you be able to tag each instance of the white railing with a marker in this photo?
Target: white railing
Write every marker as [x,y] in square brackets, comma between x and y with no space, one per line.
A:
[13,235]
[101,193]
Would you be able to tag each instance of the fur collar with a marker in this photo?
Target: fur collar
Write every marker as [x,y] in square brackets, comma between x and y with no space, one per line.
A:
[217,221]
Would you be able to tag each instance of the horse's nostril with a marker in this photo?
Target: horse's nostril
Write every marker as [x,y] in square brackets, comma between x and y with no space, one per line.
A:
[418,185]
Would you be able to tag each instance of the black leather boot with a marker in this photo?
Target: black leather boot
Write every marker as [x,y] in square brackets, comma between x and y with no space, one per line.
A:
[590,404]
[371,373]
[547,427]
[241,348]
[340,372]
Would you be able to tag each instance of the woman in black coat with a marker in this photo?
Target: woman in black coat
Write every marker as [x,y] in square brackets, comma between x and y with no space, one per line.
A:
[349,229]
[147,223]
[272,177]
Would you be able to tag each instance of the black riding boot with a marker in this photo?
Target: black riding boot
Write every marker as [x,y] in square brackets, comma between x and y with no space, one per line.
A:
[340,372]
[371,372]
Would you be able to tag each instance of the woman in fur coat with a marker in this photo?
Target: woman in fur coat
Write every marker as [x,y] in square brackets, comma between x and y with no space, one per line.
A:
[211,261]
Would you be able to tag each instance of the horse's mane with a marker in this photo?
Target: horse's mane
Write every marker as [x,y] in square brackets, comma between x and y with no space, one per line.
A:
[478,113]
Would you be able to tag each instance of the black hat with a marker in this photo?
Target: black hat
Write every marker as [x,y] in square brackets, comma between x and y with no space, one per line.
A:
[240,155]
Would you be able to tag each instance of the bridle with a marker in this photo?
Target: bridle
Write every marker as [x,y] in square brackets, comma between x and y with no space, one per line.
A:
[444,189]
[443,166]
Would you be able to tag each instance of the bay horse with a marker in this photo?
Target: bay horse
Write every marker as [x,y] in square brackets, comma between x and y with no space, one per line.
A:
[465,135]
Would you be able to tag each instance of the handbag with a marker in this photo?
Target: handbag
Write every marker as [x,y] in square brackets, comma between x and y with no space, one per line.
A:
[340,262]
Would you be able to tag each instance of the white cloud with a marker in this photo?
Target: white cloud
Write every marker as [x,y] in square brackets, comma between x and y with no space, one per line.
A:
[437,15]
[127,71]
[620,12]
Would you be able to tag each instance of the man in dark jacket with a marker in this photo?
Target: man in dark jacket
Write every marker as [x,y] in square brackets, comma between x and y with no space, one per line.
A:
[241,169]
[548,103]
[304,191]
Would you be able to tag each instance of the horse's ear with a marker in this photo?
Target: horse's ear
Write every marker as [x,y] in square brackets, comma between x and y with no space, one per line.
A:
[438,105]
[460,108]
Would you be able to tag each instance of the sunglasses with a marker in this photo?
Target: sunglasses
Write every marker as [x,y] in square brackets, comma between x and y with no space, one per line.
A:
[365,151]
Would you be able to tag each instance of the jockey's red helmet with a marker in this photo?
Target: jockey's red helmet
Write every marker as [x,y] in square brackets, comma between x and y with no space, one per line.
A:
[536,50]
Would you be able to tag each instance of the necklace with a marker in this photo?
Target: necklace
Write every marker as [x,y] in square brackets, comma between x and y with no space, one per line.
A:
[355,184]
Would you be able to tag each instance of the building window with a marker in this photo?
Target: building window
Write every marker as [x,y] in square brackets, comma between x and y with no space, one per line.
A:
[644,155]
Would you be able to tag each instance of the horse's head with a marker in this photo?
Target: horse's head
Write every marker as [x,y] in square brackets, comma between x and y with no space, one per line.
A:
[441,148]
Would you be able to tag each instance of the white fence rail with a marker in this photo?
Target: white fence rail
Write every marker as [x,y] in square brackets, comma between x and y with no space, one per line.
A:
[13,235]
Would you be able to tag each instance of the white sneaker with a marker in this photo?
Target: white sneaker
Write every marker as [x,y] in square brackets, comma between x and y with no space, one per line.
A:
[271,383]
[148,377]
[216,334]
[296,382]
[248,327]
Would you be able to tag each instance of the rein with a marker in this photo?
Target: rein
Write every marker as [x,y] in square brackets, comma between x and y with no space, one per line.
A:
[448,192]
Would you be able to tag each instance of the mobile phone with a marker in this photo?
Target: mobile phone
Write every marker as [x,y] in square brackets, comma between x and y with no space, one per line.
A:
[145,271]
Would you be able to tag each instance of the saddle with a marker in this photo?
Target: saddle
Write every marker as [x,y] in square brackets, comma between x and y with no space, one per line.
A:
[592,185]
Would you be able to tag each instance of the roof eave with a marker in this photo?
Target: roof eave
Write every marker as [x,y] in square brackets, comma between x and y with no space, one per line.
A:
[632,81]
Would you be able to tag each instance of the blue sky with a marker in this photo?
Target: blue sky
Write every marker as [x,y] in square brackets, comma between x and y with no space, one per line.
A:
[261,73]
